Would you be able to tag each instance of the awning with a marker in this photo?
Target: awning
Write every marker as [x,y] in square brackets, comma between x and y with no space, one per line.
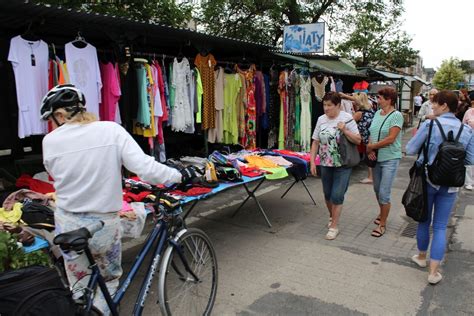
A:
[422,81]
[297,59]
[336,67]
[382,73]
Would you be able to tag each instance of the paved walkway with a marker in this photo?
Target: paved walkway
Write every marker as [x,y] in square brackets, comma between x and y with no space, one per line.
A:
[290,269]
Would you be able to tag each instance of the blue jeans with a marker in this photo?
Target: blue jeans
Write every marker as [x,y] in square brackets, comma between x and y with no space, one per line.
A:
[335,183]
[443,204]
[383,174]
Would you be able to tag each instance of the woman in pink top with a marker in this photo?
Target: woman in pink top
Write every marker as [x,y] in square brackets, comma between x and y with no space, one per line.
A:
[469,120]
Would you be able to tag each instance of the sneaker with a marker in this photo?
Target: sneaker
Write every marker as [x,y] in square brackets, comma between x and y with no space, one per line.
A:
[421,263]
[366,181]
[435,278]
[468,187]
[332,233]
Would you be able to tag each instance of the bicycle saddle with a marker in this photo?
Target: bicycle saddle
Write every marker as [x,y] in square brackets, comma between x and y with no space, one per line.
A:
[74,240]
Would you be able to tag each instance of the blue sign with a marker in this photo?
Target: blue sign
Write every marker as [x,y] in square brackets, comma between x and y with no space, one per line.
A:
[304,38]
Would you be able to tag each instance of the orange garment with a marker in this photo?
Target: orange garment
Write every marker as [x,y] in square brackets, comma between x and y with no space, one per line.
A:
[260,162]
[205,65]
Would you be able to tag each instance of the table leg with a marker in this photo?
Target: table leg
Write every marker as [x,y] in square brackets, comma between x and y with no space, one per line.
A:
[309,193]
[251,194]
[288,190]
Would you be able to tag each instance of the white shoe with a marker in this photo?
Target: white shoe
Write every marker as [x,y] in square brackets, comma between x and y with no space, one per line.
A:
[435,278]
[421,263]
[468,187]
[332,233]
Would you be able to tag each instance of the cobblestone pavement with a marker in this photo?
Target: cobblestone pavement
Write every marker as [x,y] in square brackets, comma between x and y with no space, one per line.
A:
[290,269]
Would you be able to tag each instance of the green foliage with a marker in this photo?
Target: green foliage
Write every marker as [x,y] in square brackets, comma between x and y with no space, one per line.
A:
[466,66]
[13,257]
[261,20]
[372,36]
[449,75]
[163,11]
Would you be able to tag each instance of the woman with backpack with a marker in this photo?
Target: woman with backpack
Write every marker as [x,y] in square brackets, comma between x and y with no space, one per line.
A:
[385,148]
[442,175]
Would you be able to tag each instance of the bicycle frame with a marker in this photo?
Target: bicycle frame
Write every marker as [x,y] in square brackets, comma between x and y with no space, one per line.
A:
[160,232]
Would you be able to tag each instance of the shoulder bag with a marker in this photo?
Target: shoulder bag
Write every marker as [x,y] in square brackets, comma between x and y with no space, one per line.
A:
[371,163]
[348,150]
[415,198]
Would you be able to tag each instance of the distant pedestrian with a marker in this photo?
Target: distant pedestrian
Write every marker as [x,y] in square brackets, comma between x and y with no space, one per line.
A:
[425,111]
[441,199]
[463,105]
[386,149]
[364,117]
[417,101]
[334,176]
[469,120]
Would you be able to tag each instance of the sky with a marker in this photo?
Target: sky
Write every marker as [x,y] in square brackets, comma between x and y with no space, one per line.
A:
[440,29]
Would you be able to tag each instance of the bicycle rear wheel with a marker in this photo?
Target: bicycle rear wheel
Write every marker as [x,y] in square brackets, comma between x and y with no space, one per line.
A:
[180,293]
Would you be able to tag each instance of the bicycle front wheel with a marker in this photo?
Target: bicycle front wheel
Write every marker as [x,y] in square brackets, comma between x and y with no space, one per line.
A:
[188,276]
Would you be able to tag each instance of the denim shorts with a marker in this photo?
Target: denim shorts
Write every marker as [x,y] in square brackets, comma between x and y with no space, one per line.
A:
[384,173]
[335,183]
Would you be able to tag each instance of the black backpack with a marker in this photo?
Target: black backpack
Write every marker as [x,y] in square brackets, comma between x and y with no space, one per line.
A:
[34,290]
[448,167]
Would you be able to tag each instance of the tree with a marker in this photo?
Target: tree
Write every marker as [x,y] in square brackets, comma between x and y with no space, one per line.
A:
[372,36]
[163,11]
[260,20]
[449,75]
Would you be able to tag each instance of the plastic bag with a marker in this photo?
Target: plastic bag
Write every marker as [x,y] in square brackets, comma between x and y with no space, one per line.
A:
[415,197]
[133,228]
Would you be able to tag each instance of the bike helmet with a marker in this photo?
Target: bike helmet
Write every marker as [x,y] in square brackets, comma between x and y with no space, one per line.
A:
[65,96]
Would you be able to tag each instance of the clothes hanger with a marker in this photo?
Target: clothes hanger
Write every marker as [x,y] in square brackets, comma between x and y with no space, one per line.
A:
[29,35]
[79,41]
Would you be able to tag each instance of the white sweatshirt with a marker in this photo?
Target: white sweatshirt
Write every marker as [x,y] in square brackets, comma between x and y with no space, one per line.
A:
[85,162]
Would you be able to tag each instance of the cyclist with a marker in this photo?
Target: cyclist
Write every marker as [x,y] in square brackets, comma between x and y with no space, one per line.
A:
[84,156]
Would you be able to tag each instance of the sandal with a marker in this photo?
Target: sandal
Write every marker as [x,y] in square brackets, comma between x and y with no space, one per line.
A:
[377,221]
[378,232]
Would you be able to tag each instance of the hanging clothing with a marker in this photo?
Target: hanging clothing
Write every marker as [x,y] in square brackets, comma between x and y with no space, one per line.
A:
[319,87]
[283,91]
[249,139]
[110,92]
[339,85]
[242,109]
[293,86]
[205,65]
[274,109]
[181,111]
[143,115]
[305,121]
[192,102]
[216,135]
[199,93]
[85,73]
[232,87]
[30,66]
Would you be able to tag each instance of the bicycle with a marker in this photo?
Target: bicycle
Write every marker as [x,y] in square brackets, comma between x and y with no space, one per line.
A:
[183,265]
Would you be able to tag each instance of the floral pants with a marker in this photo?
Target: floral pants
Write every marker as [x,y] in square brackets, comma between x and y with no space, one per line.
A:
[105,246]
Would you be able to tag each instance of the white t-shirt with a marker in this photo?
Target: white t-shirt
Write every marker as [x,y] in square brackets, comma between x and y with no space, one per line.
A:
[84,72]
[31,83]
[327,134]
[85,162]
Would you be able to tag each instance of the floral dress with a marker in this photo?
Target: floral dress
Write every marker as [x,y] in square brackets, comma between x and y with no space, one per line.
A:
[364,124]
